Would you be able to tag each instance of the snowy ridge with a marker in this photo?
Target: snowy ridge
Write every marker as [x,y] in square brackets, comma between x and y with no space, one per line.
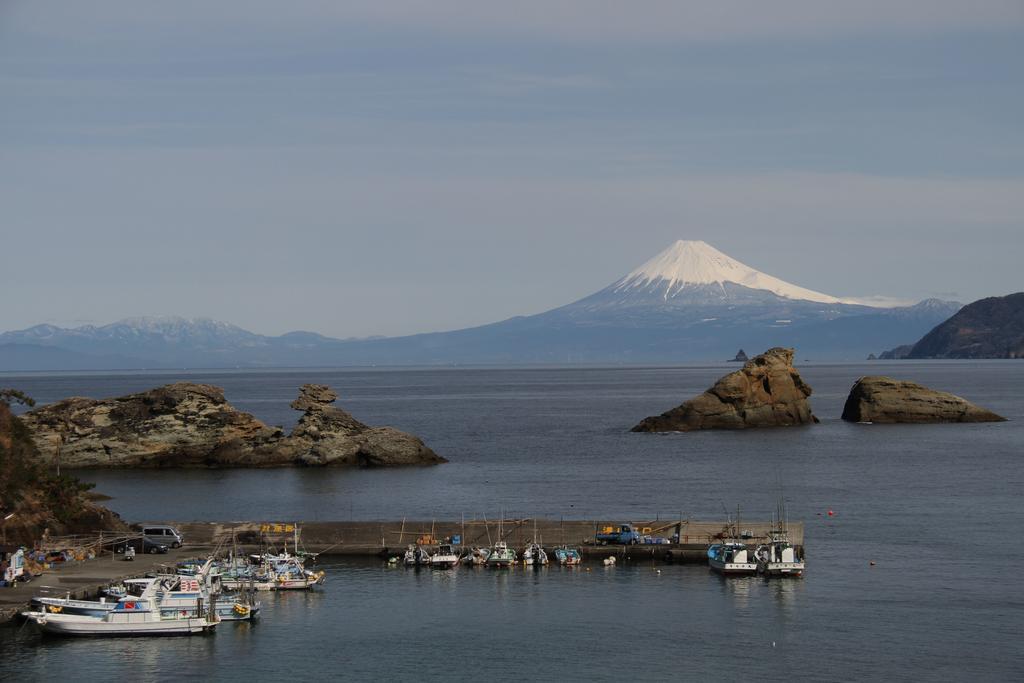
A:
[689,263]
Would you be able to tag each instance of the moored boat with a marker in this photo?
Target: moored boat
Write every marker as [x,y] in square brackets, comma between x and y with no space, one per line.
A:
[568,556]
[445,557]
[416,556]
[779,557]
[132,616]
[501,555]
[476,556]
[732,558]
[534,555]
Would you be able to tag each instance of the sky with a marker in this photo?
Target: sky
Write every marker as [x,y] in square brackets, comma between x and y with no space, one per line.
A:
[362,168]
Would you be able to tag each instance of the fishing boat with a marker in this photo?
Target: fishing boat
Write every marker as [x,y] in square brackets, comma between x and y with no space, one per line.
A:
[416,556]
[287,572]
[133,616]
[501,555]
[476,556]
[534,555]
[568,556]
[445,557]
[778,557]
[732,558]
[185,594]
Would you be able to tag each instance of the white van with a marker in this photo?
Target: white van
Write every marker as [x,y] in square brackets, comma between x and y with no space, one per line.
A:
[164,535]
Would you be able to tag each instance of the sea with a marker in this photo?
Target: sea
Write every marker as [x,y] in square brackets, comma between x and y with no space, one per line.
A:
[913,534]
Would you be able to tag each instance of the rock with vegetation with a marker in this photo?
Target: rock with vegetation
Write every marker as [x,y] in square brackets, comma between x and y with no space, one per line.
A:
[887,400]
[192,425]
[767,392]
[33,498]
[988,328]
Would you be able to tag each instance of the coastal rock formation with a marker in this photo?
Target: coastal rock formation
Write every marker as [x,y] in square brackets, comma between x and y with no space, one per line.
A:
[326,435]
[33,499]
[767,392]
[988,328]
[192,425]
[887,400]
[740,357]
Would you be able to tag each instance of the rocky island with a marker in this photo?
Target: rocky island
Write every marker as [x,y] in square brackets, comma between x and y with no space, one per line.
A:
[767,392]
[192,425]
[888,400]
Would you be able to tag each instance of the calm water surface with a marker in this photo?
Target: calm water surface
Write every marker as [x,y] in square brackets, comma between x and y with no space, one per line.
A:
[936,507]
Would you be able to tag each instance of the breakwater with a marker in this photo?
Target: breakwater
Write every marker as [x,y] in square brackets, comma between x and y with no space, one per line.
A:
[688,538]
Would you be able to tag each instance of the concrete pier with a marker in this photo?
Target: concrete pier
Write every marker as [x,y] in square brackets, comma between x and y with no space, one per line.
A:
[382,538]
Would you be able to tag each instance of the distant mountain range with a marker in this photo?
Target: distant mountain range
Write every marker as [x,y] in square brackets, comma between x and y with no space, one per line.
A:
[690,302]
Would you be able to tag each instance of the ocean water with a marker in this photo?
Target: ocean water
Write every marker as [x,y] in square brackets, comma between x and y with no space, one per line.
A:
[935,507]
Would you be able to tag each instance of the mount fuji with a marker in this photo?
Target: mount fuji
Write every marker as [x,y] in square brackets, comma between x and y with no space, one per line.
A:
[690,302]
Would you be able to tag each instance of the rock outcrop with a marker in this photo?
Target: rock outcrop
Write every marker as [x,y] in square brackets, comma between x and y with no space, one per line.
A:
[740,357]
[326,435]
[887,400]
[767,392]
[192,425]
[33,499]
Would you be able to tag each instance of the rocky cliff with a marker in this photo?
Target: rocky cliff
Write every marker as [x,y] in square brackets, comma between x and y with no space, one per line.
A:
[767,392]
[33,498]
[988,328]
[887,400]
[192,425]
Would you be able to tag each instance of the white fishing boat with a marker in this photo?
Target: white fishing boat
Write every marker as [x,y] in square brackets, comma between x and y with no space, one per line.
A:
[534,555]
[288,573]
[445,557]
[779,557]
[133,616]
[185,594]
[416,556]
[732,558]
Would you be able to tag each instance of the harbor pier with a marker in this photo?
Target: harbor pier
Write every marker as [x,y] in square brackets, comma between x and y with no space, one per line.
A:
[679,541]
[380,538]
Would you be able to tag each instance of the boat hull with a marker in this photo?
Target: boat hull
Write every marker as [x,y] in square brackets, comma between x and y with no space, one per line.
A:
[733,568]
[76,625]
[795,569]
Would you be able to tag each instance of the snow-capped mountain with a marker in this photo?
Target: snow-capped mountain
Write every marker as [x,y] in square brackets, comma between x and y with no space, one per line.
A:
[693,270]
[157,341]
[689,302]
[690,266]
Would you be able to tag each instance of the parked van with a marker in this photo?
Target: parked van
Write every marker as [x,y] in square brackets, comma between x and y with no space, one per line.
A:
[164,535]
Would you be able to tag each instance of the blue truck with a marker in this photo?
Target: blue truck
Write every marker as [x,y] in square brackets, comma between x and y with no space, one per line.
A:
[625,534]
